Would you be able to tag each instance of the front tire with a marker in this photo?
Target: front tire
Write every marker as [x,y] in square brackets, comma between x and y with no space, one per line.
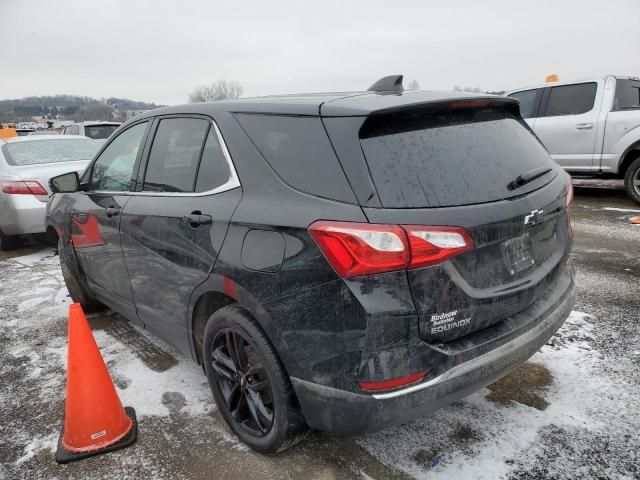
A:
[8,242]
[249,384]
[632,181]
[76,290]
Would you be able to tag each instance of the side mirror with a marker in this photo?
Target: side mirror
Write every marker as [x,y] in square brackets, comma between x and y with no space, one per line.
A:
[65,183]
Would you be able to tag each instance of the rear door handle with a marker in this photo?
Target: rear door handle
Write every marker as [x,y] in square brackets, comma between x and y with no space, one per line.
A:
[584,126]
[112,211]
[195,219]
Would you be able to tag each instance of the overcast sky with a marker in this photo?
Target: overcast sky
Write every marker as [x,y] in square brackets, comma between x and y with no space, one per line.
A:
[160,50]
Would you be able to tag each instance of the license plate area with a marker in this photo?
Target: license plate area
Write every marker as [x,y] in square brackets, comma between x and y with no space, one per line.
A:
[517,253]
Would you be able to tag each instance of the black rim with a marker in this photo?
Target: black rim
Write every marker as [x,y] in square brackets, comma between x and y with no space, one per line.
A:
[243,382]
[635,182]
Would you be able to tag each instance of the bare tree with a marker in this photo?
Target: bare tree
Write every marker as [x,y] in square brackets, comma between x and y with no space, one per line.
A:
[219,90]
[413,85]
[96,111]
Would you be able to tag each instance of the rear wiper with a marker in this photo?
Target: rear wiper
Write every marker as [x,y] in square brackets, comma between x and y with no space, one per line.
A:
[528,176]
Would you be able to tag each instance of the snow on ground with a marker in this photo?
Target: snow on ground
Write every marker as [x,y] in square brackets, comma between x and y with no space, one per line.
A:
[580,422]
[497,440]
[177,387]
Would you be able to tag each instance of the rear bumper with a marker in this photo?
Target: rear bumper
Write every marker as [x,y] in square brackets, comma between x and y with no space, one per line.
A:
[22,214]
[333,410]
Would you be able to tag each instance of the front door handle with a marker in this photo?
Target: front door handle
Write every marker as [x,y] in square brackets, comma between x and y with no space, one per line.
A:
[195,219]
[584,126]
[112,211]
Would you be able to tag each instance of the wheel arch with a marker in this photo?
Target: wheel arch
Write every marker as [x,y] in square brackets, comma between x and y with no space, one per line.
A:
[217,292]
[628,157]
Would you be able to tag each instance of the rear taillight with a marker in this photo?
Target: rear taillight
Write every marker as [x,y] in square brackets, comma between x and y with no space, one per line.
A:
[431,245]
[393,383]
[359,248]
[23,187]
[567,203]
[468,104]
[569,198]
[355,249]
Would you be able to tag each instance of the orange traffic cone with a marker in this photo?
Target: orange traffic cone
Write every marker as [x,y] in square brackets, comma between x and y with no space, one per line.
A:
[94,420]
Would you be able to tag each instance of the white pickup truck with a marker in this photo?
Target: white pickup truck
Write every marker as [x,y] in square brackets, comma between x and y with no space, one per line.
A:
[591,127]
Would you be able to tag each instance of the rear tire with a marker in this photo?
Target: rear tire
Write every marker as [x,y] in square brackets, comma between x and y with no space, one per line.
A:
[249,384]
[8,242]
[76,291]
[632,181]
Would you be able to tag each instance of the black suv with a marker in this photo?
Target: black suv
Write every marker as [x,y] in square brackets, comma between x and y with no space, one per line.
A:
[343,262]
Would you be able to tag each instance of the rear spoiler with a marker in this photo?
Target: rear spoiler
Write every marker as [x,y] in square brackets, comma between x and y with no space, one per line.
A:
[482,101]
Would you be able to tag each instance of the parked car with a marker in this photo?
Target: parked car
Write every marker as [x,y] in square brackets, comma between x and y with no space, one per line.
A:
[44,132]
[98,131]
[26,165]
[342,262]
[590,127]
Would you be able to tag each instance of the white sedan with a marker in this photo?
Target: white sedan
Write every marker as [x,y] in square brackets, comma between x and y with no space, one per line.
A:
[26,165]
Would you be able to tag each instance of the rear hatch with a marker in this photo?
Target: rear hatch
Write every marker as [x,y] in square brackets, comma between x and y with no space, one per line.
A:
[472,164]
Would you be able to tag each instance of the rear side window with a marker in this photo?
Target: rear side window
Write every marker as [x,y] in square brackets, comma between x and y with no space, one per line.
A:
[214,169]
[571,99]
[527,102]
[99,132]
[449,157]
[298,149]
[627,95]
[175,155]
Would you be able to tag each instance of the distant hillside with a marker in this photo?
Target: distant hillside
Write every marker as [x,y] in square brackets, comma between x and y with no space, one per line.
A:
[69,107]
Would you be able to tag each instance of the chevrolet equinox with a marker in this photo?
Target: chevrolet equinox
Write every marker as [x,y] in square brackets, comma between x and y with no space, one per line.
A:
[342,262]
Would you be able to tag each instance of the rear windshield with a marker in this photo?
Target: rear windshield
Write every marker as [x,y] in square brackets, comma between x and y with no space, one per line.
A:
[627,95]
[450,157]
[98,132]
[50,151]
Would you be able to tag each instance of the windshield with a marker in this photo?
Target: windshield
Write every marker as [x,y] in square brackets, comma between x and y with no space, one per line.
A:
[450,157]
[50,151]
[99,132]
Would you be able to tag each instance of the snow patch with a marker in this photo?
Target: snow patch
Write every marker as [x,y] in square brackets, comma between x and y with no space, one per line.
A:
[146,387]
[579,398]
[49,442]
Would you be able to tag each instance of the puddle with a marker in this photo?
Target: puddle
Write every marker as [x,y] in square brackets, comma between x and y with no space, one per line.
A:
[525,384]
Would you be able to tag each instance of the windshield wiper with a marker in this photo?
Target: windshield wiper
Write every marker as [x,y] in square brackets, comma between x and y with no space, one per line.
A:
[528,176]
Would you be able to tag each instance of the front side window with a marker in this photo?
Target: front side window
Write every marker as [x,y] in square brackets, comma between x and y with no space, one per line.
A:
[175,155]
[527,102]
[571,99]
[112,171]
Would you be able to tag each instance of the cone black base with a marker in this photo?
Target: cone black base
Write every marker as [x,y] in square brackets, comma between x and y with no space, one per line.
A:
[65,456]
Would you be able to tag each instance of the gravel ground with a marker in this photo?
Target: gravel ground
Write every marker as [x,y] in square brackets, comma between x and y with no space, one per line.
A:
[570,412]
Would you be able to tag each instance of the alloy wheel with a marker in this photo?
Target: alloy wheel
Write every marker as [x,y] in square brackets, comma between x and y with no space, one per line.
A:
[635,181]
[243,382]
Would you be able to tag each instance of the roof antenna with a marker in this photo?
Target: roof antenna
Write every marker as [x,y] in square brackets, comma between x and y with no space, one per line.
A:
[389,84]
